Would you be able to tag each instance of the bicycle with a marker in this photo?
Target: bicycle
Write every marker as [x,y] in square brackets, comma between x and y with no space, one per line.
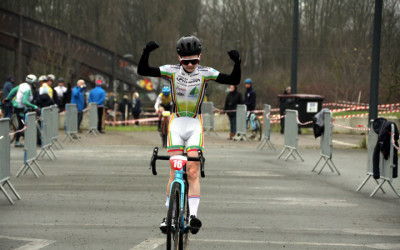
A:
[178,209]
[254,130]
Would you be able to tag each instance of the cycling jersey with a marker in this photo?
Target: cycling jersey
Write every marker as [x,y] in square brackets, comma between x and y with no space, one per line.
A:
[164,101]
[23,97]
[188,89]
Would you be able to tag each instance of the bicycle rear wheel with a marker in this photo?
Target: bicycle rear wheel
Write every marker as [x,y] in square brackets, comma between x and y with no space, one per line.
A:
[174,232]
[13,127]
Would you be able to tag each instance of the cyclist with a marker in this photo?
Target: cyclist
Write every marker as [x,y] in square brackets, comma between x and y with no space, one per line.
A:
[188,81]
[163,103]
[22,100]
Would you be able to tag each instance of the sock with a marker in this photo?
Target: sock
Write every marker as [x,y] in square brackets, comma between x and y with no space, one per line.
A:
[167,202]
[194,202]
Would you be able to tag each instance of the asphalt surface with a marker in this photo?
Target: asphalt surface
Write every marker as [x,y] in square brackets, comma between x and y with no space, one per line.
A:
[100,194]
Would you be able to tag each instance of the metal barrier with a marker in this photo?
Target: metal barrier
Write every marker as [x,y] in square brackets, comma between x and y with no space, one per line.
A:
[266,137]
[385,166]
[55,131]
[93,119]
[71,122]
[47,133]
[241,130]
[5,159]
[30,146]
[291,135]
[207,114]
[326,145]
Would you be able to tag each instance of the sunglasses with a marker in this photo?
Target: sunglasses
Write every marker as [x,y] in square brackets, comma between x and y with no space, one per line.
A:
[192,61]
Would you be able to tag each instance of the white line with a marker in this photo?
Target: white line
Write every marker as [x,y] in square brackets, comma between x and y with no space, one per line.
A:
[34,244]
[344,143]
[152,243]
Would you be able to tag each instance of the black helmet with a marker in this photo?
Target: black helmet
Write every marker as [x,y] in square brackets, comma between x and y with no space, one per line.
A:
[188,45]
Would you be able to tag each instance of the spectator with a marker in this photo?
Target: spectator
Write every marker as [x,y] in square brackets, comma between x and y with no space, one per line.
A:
[61,94]
[287,91]
[232,100]
[78,98]
[136,107]
[98,95]
[125,108]
[250,96]
[8,86]
[43,99]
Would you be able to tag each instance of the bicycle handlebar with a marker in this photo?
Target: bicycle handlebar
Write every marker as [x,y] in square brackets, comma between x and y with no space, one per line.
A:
[156,157]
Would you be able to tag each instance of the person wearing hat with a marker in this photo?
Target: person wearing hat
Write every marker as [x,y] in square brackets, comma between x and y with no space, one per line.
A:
[125,108]
[78,98]
[98,95]
[61,92]
[250,96]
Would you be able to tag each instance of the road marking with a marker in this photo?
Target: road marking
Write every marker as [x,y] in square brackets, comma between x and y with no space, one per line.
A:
[152,243]
[374,246]
[344,143]
[34,244]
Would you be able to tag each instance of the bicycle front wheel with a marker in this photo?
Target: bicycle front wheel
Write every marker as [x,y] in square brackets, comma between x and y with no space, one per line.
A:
[174,232]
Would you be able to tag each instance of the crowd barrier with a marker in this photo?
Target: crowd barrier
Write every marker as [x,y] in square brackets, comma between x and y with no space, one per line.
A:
[385,166]
[266,137]
[30,146]
[291,135]
[207,114]
[93,119]
[55,128]
[241,116]
[47,133]
[326,145]
[5,160]
[71,122]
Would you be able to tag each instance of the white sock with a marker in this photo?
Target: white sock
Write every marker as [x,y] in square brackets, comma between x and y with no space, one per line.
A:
[167,202]
[194,202]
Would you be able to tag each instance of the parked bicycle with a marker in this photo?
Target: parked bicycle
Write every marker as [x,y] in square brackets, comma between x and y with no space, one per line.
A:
[178,227]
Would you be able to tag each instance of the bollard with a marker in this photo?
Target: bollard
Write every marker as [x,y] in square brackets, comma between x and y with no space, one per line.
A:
[5,160]
[326,145]
[290,135]
[266,138]
[207,115]
[30,146]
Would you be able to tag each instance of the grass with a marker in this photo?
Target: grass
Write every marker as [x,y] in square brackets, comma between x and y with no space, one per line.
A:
[131,128]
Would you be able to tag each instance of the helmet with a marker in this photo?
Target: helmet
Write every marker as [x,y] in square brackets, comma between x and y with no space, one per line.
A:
[60,79]
[51,77]
[42,78]
[249,81]
[31,79]
[188,45]
[166,91]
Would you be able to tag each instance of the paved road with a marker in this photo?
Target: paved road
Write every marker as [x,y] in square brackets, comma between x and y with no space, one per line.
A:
[100,194]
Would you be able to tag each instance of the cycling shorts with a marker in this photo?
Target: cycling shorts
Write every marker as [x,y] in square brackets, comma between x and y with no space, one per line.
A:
[185,132]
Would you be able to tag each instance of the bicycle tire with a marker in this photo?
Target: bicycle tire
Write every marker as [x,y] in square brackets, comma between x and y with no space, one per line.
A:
[13,127]
[185,237]
[174,233]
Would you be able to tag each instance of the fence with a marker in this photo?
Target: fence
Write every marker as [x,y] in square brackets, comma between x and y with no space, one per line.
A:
[385,166]
[30,146]
[266,138]
[47,132]
[93,119]
[291,135]
[241,130]
[55,130]
[326,144]
[71,122]
[5,159]
[207,114]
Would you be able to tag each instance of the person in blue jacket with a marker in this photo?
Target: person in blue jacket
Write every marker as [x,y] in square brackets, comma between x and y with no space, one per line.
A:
[78,98]
[98,95]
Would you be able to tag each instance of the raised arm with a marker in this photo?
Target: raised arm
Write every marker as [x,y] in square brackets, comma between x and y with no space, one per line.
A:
[234,77]
[143,68]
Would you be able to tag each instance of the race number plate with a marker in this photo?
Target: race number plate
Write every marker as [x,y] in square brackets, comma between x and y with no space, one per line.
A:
[178,161]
